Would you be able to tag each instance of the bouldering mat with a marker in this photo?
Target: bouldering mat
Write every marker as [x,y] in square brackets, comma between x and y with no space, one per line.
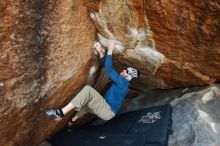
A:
[147,127]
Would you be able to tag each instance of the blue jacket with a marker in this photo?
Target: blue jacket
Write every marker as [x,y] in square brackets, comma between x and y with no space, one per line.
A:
[116,93]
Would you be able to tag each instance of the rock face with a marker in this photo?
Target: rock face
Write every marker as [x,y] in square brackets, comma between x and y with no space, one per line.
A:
[196,118]
[172,43]
[196,113]
[46,53]
[45,57]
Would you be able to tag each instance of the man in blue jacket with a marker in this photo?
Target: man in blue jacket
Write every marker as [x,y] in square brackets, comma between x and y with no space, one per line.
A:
[89,100]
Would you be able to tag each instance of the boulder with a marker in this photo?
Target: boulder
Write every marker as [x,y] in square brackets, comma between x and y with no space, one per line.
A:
[45,58]
[172,43]
[196,113]
[196,118]
[46,55]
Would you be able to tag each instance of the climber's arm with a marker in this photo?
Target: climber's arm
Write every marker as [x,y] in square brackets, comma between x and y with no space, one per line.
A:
[112,74]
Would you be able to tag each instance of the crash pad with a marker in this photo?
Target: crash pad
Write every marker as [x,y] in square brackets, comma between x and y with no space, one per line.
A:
[147,127]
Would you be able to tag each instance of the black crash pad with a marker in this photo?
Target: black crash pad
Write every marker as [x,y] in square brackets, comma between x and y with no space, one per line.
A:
[146,127]
[77,137]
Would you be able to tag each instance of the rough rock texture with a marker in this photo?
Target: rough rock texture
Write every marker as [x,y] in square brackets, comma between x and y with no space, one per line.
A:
[197,118]
[45,53]
[196,113]
[45,57]
[173,43]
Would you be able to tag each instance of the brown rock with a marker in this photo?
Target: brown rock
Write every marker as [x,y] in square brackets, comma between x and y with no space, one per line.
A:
[172,43]
[188,37]
[45,53]
[45,58]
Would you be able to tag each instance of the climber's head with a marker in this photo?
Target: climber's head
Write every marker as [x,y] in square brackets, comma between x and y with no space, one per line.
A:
[129,73]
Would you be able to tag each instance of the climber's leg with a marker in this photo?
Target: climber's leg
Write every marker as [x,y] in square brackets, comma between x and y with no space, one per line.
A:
[80,100]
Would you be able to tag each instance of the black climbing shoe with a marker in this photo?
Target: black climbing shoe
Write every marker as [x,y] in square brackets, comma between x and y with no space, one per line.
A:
[53,113]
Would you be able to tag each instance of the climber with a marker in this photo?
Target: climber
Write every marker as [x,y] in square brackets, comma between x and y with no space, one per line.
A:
[89,100]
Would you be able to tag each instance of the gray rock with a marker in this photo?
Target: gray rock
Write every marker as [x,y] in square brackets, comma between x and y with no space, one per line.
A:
[196,118]
[196,113]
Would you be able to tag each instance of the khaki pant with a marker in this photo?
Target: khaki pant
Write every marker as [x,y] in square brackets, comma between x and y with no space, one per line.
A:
[89,100]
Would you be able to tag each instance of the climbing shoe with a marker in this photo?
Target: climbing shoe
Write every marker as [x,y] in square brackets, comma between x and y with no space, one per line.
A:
[54,113]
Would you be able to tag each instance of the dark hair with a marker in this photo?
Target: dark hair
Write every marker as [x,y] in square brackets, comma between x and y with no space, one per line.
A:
[138,73]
